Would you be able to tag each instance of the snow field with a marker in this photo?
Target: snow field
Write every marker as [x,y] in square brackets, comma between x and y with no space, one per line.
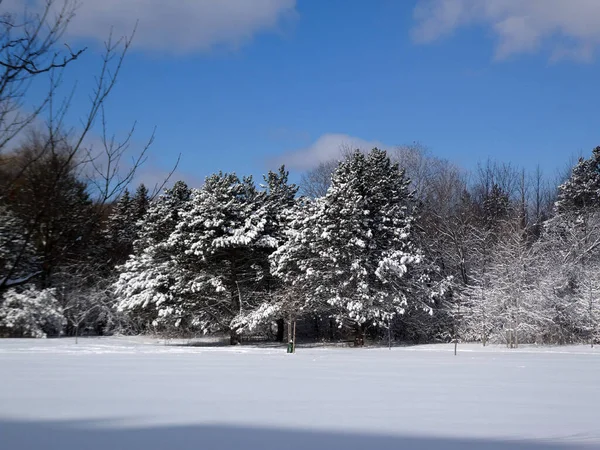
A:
[112,391]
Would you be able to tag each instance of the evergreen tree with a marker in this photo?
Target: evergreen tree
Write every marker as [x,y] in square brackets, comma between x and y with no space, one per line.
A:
[275,206]
[353,247]
[124,224]
[120,232]
[144,288]
[140,204]
[295,261]
[162,216]
[582,190]
[218,248]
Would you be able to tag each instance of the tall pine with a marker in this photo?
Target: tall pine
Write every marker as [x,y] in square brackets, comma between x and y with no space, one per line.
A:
[353,250]
[147,280]
[218,247]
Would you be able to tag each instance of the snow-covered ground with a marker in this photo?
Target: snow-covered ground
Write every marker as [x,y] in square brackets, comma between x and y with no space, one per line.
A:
[138,393]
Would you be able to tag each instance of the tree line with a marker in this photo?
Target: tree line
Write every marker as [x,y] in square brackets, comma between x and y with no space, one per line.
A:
[402,246]
[379,245]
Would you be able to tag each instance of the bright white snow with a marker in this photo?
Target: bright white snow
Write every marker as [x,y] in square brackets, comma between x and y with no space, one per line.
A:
[113,393]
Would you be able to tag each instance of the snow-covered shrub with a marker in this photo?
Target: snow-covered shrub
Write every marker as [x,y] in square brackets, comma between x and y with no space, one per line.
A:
[30,313]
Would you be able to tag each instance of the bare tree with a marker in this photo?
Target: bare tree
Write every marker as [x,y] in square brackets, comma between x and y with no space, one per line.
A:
[29,50]
[419,165]
[315,182]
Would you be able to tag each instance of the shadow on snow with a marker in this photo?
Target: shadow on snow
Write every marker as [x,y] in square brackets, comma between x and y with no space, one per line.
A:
[24,435]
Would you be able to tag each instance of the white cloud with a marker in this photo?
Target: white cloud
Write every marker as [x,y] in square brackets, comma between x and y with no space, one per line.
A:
[175,26]
[326,148]
[570,29]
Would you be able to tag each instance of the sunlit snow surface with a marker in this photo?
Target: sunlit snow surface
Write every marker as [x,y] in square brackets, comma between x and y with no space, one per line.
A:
[138,393]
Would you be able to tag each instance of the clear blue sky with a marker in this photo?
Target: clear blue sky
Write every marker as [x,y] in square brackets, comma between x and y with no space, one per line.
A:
[243,89]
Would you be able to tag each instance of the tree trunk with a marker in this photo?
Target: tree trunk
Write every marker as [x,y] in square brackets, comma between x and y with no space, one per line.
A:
[359,340]
[593,320]
[483,331]
[280,330]
[234,338]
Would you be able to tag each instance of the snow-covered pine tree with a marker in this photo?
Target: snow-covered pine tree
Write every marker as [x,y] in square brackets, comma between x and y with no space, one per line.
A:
[576,224]
[275,206]
[145,288]
[353,247]
[582,190]
[218,247]
[162,216]
[296,263]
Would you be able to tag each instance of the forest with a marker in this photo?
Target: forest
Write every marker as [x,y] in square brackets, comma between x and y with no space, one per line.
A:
[379,245]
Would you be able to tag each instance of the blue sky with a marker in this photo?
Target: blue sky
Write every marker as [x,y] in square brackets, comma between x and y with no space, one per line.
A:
[242,86]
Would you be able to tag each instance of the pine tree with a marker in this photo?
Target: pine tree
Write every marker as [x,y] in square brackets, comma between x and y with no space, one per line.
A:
[120,232]
[353,249]
[275,206]
[218,246]
[162,216]
[140,204]
[124,224]
[582,190]
[146,279]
